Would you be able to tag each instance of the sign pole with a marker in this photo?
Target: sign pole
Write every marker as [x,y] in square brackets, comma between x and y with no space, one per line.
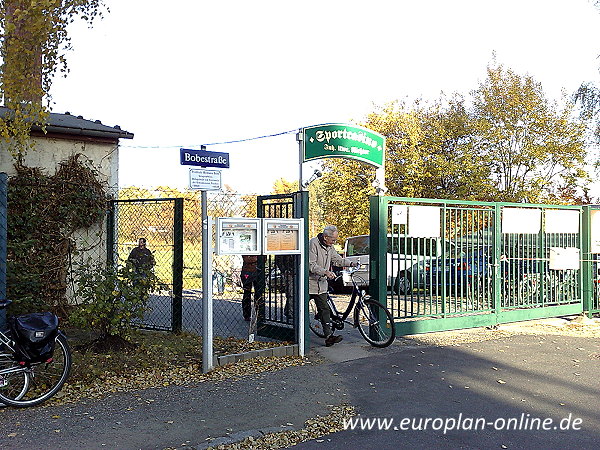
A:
[301,334]
[207,307]
[299,138]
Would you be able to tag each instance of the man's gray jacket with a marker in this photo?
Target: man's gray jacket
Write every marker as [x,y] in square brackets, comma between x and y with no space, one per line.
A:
[320,258]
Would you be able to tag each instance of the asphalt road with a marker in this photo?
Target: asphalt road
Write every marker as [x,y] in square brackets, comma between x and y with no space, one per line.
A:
[523,378]
[481,386]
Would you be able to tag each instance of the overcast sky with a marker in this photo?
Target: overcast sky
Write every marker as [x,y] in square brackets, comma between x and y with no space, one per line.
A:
[190,72]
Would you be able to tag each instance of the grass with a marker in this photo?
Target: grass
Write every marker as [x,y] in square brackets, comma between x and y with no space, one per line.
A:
[154,351]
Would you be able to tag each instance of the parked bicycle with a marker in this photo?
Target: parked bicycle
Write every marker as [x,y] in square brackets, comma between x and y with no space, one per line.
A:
[35,359]
[373,320]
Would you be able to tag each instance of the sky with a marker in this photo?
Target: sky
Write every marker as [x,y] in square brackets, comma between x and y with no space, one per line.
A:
[207,72]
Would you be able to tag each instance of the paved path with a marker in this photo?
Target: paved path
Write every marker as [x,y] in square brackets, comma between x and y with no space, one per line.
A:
[552,377]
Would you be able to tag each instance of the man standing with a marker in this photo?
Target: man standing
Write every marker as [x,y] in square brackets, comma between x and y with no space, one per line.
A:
[141,257]
[321,255]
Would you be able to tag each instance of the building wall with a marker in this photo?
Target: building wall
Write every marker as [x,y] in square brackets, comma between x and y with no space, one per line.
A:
[49,152]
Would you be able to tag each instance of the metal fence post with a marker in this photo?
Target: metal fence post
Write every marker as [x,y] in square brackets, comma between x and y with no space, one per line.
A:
[176,316]
[3,244]
[110,233]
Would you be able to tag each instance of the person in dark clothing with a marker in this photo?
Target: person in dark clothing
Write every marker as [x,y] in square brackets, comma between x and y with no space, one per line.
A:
[250,278]
[141,257]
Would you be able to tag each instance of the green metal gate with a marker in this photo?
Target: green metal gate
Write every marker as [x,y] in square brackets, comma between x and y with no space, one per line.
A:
[459,264]
[592,260]
[278,314]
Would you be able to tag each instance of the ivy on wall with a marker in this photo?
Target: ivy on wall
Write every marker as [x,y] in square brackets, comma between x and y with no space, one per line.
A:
[44,212]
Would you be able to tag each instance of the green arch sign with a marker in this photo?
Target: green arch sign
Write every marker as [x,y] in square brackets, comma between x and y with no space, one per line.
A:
[337,140]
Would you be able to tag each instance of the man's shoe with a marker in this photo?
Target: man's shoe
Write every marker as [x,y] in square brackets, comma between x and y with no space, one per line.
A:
[332,340]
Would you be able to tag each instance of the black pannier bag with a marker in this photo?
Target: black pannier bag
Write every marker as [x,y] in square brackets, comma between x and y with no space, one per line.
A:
[34,336]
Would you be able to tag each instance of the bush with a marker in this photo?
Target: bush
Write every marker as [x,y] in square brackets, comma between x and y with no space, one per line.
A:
[111,298]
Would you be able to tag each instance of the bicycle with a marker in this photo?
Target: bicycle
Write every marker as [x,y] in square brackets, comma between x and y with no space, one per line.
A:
[368,315]
[29,382]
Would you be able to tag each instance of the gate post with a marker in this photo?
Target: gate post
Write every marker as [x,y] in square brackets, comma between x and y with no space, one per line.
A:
[176,314]
[587,266]
[496,277]
[378,248]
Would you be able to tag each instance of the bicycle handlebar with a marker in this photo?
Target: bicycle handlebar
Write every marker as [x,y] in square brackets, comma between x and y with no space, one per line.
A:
[351,270]
[348,270]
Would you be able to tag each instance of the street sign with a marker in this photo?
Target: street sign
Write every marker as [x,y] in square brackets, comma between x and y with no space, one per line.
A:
[205,180]
[343,141]
[203,158]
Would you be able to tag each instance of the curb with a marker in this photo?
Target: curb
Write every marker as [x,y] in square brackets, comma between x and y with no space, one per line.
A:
[287,350]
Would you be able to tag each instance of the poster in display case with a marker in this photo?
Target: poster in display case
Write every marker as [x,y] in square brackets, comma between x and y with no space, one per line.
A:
[238,236]
[283,236]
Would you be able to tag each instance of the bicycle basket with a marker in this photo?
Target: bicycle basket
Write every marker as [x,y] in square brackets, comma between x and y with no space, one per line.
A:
[34,335]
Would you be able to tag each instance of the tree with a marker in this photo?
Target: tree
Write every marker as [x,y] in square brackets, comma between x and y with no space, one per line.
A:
[535,148]
[588,99]
[341,196]
[283,186]
[428,154]
[512,144]
[429,150]
[34,42]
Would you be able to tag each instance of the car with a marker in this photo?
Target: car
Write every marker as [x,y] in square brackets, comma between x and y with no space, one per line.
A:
[459,273]
[471,272]
[407,259]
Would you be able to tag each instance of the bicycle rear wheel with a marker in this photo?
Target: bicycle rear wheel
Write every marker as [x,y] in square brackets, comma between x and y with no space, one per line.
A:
[314,322]
[45,379]
[14,382]
[375,322]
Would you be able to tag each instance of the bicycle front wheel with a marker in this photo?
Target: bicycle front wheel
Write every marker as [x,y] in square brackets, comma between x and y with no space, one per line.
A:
[14,381]
[314,320]
[375,322]
[45,379]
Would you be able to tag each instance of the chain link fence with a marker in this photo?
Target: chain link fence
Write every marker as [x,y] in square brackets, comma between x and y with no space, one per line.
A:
[171,223]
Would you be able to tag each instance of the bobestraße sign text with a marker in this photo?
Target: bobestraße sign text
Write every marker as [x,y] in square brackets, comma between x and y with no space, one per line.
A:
[343,141]
[203,158]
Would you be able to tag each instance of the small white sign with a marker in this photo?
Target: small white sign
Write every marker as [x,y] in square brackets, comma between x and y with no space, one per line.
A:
[423,221]
[595,231]
[521,220]
[205,179]
[564,258]
[399,214]
[562,221]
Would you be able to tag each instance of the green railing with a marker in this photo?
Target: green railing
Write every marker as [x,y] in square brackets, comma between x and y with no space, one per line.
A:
[459,264]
